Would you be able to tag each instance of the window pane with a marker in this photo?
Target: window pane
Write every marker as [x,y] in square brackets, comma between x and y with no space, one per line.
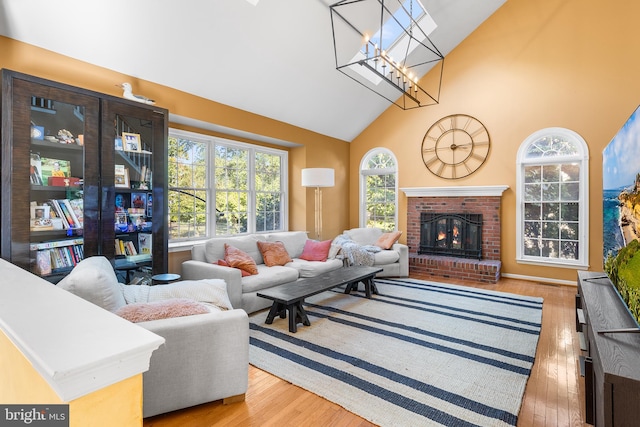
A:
[569,231]
[532,192]
[532,228]
[550,248]
[551,192]
[551,211]
[551,173]
[571,191]
[531,247]
[569,250]
[570,172]
[532,174]
[532,211]
[570,212]
[550,230]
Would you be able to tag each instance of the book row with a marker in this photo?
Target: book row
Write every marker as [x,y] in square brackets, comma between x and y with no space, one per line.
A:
[128,247]
[50,260]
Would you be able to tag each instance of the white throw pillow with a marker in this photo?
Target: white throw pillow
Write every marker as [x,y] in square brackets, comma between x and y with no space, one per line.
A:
[364,235]
[94,280]
[211,291]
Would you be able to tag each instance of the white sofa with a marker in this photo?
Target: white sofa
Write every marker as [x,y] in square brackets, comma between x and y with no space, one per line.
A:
[243,290]
[205,356]
[394,261]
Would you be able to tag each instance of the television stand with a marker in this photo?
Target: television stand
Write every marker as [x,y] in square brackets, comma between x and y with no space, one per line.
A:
[620,331]
[611,345]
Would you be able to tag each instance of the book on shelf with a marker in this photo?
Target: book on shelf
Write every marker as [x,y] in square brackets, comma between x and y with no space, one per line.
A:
[43,262]
[77,208]
[144,243]
[70,211]
[36,169]
[66,211]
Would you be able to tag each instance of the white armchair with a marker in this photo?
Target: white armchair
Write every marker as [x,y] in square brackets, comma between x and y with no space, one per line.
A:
[205,356]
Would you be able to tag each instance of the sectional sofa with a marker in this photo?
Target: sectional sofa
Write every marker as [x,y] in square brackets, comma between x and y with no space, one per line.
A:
[243,290]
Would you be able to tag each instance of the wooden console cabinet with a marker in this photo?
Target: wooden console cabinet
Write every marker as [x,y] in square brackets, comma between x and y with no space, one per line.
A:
[611,360]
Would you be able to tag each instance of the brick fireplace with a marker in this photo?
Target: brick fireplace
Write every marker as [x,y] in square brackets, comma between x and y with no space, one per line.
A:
[482,200]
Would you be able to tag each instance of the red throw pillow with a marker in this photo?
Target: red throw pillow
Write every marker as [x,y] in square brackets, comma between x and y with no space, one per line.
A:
[226,264]
[386,240]
[273,253]
[316,251]
[239,259]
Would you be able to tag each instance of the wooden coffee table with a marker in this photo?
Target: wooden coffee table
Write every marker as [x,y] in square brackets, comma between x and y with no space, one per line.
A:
[290,296]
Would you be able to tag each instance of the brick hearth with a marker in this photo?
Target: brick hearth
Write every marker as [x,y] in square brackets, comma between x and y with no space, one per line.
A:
[473,200]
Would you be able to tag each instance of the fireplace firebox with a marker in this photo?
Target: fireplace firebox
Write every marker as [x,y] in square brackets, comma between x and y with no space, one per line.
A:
[458,235]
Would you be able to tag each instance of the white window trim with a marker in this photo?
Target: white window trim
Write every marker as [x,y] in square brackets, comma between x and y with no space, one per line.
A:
[363,173]
[583,159]
[284,177]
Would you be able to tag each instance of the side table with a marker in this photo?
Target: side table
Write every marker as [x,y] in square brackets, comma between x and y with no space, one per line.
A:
[127,268]
[163,279]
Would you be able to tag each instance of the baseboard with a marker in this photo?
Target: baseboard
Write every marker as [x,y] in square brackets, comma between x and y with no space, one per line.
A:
[541,279]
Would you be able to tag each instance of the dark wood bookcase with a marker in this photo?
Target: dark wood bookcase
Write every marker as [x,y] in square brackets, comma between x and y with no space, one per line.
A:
[50,222]
[611,359]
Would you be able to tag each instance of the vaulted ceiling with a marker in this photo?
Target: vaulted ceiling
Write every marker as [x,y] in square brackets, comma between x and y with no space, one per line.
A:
[274,58]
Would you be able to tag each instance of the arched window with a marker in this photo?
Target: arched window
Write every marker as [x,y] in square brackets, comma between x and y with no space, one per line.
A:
[552,178]
[379,190]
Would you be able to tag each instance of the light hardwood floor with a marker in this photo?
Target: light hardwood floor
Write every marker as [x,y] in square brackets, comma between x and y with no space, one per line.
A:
[554,395]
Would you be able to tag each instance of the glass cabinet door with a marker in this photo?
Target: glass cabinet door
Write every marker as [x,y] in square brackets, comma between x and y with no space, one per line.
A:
[54,179]
[134,144]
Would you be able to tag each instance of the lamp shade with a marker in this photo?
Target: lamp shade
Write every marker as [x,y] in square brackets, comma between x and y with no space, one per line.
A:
[318,177]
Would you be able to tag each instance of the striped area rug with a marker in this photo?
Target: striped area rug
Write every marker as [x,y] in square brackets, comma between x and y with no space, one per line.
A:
[420,353]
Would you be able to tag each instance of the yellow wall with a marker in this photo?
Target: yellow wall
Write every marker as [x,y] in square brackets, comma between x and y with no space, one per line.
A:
[532,65]
[117,405]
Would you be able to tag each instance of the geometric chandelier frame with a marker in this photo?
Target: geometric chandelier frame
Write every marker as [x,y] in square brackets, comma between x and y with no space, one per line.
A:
[384,45]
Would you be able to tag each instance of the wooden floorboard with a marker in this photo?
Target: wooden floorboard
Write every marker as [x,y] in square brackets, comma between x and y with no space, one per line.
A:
[554,395]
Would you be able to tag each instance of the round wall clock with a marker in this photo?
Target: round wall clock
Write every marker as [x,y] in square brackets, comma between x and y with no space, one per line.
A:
[455,146]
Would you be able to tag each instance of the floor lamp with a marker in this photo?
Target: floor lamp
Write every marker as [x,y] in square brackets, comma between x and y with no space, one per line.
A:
[318,177]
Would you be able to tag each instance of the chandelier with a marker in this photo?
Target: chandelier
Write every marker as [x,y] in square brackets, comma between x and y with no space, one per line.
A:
[384,45]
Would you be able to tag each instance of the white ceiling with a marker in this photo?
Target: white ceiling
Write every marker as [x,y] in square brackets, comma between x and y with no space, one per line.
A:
[274,59]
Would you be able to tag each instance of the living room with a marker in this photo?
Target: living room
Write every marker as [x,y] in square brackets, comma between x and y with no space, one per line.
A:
[529,66]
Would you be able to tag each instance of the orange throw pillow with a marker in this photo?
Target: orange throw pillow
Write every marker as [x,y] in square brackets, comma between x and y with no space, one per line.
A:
[239,259]
[316,251]
[273,253]
[386,240]
[226,264]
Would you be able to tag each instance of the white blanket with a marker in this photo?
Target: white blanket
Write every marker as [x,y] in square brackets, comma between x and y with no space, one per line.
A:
[354,253]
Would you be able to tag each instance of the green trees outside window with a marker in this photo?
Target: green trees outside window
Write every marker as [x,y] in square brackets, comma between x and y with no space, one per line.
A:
[246,183]
[379,190]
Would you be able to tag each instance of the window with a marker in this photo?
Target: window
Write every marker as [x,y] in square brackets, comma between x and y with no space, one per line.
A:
[552,199]
[378,190]
[219,187]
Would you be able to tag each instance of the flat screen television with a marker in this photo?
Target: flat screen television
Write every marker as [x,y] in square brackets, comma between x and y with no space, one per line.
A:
[621,213]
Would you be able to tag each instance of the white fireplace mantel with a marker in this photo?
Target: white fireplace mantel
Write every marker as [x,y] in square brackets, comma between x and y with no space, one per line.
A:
[460,191]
